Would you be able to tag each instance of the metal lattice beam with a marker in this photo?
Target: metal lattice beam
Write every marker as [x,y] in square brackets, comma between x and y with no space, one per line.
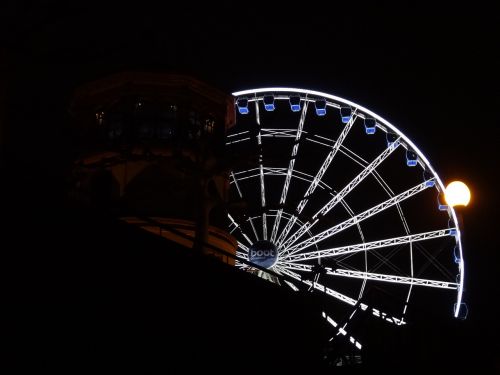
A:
[289,171]
[332,252]
[317,179]
[329,291]
[279,133]
[342,194]
[360,217]
[393,279]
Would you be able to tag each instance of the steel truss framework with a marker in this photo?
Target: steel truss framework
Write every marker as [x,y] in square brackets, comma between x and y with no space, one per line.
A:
[302,248]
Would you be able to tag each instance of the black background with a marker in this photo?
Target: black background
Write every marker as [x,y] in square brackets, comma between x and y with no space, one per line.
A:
[431,71]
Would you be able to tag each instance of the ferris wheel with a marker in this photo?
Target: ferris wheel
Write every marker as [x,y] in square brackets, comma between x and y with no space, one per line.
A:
[335,197]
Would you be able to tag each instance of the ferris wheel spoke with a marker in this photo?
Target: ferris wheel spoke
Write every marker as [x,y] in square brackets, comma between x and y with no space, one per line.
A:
[243,247]
[289,171]
[360,217]
[234,226]
[297,266]
[262,186]
[292,286]
[342,194]
[241,266]
[235,181]
[277,268]
[236,184]
[276,224]
[317,179]
[393,279]
[278,133]
[290,217]
[363,163]
[261,173]
[241,255]
[346,299]
[341,330]
[253,229]
[357,180]
[329,291]
[264,226]
[341,250]
[237,137]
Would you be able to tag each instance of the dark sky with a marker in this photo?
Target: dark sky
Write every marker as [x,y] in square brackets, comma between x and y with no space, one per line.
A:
[431,71]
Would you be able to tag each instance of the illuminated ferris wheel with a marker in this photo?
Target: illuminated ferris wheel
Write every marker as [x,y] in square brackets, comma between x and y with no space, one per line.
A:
[336,198]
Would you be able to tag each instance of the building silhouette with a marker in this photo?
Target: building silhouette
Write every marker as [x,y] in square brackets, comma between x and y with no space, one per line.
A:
[152,153]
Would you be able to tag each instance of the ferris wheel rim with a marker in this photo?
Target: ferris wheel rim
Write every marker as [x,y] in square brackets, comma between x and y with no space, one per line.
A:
[423,158]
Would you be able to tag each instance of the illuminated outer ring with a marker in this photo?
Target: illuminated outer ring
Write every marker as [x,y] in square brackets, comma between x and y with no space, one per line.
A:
[414,148]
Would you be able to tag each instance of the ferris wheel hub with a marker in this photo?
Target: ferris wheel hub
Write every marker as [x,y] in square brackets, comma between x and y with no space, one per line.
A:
[263,253]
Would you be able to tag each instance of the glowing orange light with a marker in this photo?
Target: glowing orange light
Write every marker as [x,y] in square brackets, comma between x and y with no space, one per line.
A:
[457,194]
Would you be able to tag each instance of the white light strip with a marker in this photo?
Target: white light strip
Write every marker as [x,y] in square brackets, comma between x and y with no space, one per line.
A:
[253,228]
[330,292]
[331,321]
[360,217]
[246,238]
[236,184]
[293,287]
[261,173]
[357,159]
[276,224]
[393,279]
[288,177]
[268,171]
[246,171]
[232,220]
[341,330]
[341,250]
[461,265]
[237,141]
[264,226]
[357,180]
[237,226]
[236,134]
[295,266]
[327,162]
[243,247]
[241,255]
[319,176]
[278,133]
[262,187]
[343,193]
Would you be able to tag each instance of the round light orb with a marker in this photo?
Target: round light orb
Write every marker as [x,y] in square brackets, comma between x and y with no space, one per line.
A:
[457,194]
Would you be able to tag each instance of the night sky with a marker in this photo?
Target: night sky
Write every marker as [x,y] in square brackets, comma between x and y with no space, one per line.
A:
[433,72]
